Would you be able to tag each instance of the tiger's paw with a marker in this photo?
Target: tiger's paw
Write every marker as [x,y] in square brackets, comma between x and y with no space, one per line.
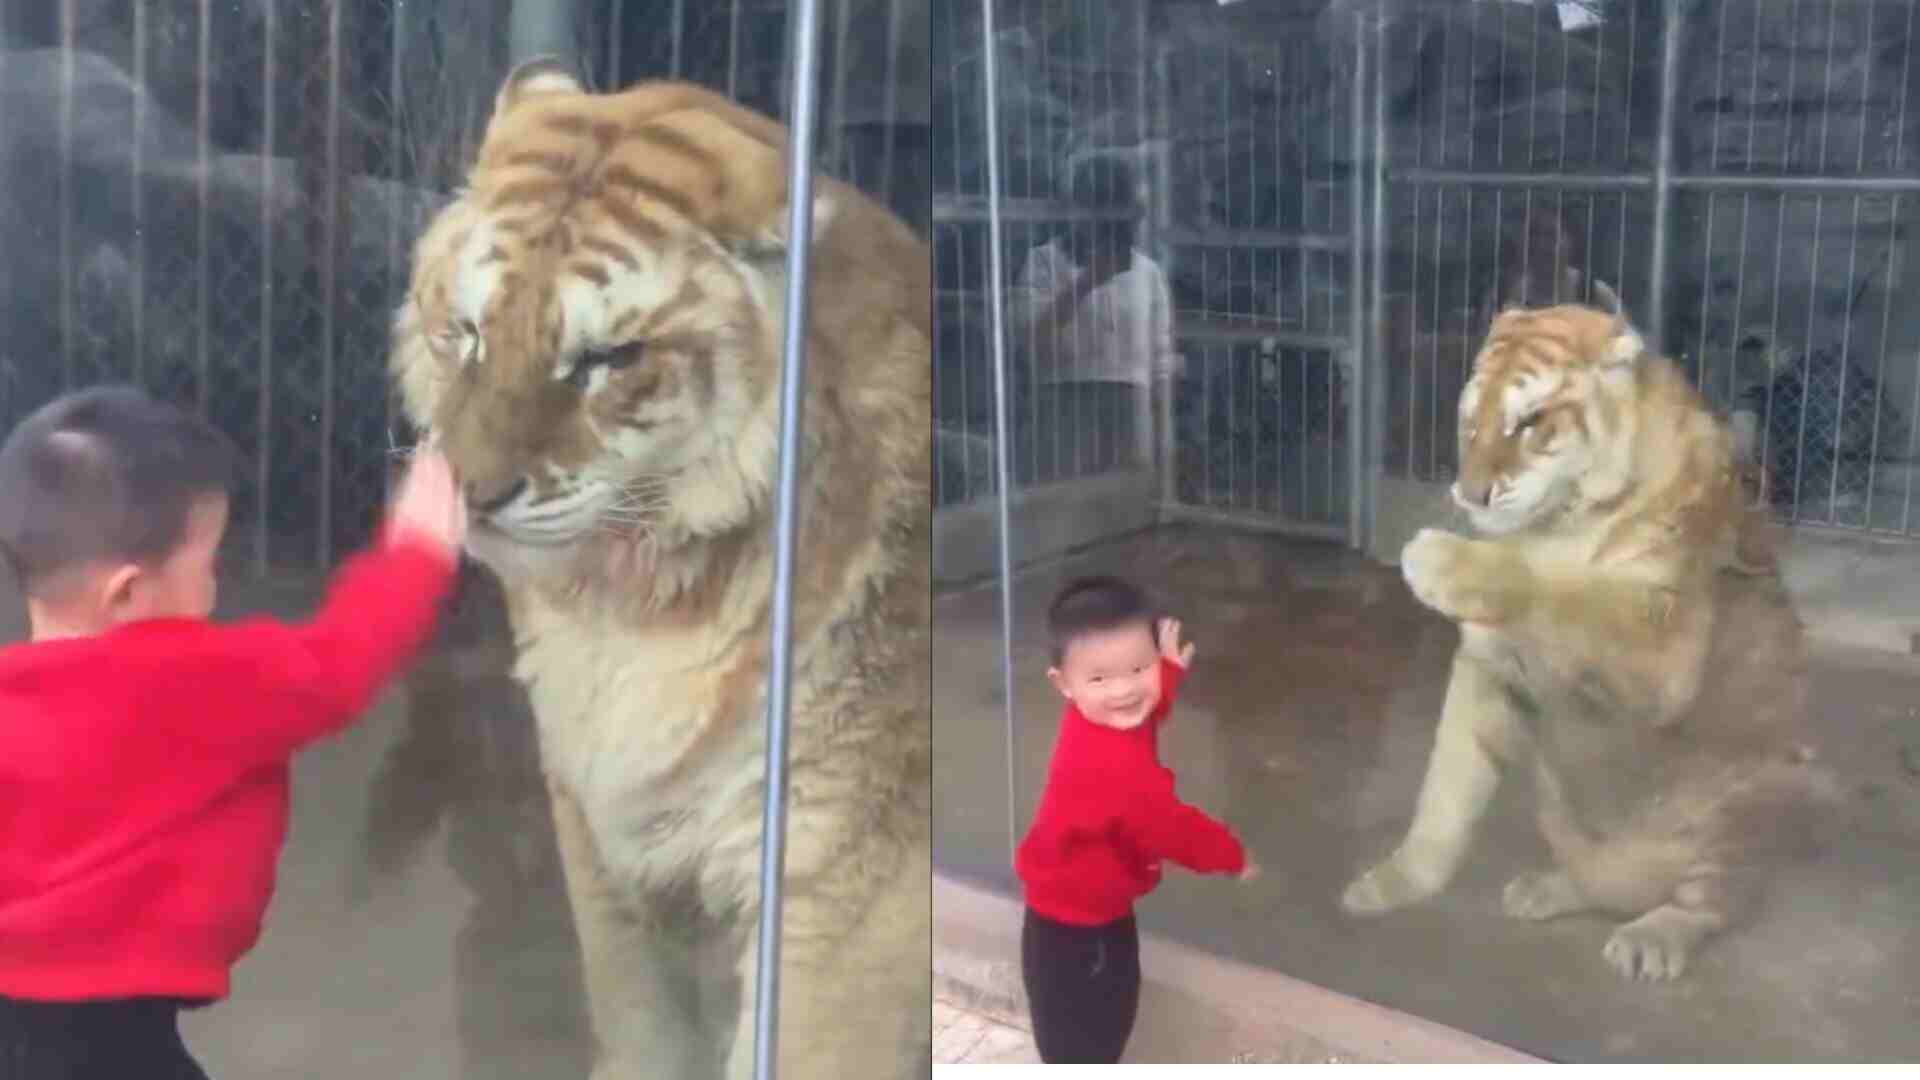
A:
[1657,946]
[1384,888]
[1541,894]
[1455,576]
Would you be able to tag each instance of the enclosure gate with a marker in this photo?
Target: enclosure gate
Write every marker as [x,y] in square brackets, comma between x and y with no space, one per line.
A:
[1255,221]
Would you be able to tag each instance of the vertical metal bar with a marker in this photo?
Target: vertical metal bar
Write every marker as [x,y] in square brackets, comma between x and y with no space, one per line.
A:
[68,18]
[890,126]
[966,390]
[139,283]
[329,284]
[676,34]
[805,34]
[397,283]
[1773,341]
[733,47]
[1433,363]
[1806,365]
[1163,214]
[996,306]
[203,148]
[1671,25]
[1357,310]
[615,9]
[1846,365]
[836,106]
[1880,367]
[1894,263]
[263,420]
[1416,197]
[1373,354]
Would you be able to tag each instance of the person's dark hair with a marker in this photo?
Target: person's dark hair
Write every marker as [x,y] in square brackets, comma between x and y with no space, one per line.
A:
[1093,604]
[104,474]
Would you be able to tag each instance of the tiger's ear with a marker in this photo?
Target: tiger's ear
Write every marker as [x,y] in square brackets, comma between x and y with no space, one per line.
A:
[1624,343]
[748,214]
[538,77]
[1609,301]
[769,242]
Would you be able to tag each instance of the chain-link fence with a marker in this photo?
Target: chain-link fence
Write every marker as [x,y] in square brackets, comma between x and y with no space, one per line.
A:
[218,200]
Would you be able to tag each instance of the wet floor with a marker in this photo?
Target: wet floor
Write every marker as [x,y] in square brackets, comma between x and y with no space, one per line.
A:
[1306,725]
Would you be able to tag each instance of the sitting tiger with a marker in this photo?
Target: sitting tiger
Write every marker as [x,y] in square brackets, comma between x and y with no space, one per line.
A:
[593,335]
[1612,644]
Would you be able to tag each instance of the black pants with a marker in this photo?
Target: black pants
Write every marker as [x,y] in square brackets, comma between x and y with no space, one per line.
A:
[1083,988]
[122,1039]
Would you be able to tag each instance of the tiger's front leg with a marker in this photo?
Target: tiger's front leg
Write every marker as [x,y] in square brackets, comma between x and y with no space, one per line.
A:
[1468,581]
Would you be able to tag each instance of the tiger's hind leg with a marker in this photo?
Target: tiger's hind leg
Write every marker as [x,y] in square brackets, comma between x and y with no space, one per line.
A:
[1658,945]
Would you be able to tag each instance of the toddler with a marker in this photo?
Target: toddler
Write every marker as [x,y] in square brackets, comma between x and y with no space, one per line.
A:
[144,750]
[1107,818]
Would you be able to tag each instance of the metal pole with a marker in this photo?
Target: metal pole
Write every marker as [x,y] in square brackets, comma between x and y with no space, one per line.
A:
[1663,174]
[1358,433]
[542,28]
[1163,245]
[805,25]
[263,458]
[139,283]
[67,328]
[997,310]
[203,147]
[330,261]
[1377,345]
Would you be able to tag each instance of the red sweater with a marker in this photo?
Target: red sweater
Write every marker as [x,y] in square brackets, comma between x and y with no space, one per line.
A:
[1109,815]
[143,778]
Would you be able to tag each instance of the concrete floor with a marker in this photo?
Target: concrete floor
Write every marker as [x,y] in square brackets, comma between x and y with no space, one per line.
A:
[962,1036]
[1306,725]
[420,926]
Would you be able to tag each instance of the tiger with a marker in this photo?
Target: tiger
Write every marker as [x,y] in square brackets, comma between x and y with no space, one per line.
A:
[1613,644]
[592,336]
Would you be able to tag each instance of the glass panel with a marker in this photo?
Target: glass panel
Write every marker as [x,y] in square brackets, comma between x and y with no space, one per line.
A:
[1631,813]
[223,204]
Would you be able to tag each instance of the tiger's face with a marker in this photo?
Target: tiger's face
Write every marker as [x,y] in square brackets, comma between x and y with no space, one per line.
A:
[590,324]
[1542,417]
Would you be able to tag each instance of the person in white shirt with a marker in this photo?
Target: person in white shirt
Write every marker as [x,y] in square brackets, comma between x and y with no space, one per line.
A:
[1093,317]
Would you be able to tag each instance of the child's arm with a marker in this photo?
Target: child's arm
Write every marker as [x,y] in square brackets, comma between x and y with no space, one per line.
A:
[379,610]
[1167,828]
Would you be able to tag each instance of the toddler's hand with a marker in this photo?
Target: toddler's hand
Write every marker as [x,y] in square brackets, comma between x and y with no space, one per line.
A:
[430,505]
[1170,646]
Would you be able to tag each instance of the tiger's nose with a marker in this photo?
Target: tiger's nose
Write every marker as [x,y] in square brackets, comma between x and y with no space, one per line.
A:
[485,503]
[1473,494]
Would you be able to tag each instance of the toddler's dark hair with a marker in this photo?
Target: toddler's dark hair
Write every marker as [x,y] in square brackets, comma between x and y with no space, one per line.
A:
[104,474]
[1091,604]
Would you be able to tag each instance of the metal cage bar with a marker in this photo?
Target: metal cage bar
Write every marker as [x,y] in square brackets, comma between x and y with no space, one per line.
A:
[996,284]
[804,32]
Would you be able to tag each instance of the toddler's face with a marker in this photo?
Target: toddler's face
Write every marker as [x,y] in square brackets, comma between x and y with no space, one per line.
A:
[1113,676]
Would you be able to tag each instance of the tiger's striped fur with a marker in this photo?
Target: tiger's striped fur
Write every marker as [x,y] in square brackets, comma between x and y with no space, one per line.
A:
[1654,691]
[592,333]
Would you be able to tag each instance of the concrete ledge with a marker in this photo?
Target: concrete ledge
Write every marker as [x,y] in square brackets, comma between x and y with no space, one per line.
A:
[1045,521]
[1233,1011]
